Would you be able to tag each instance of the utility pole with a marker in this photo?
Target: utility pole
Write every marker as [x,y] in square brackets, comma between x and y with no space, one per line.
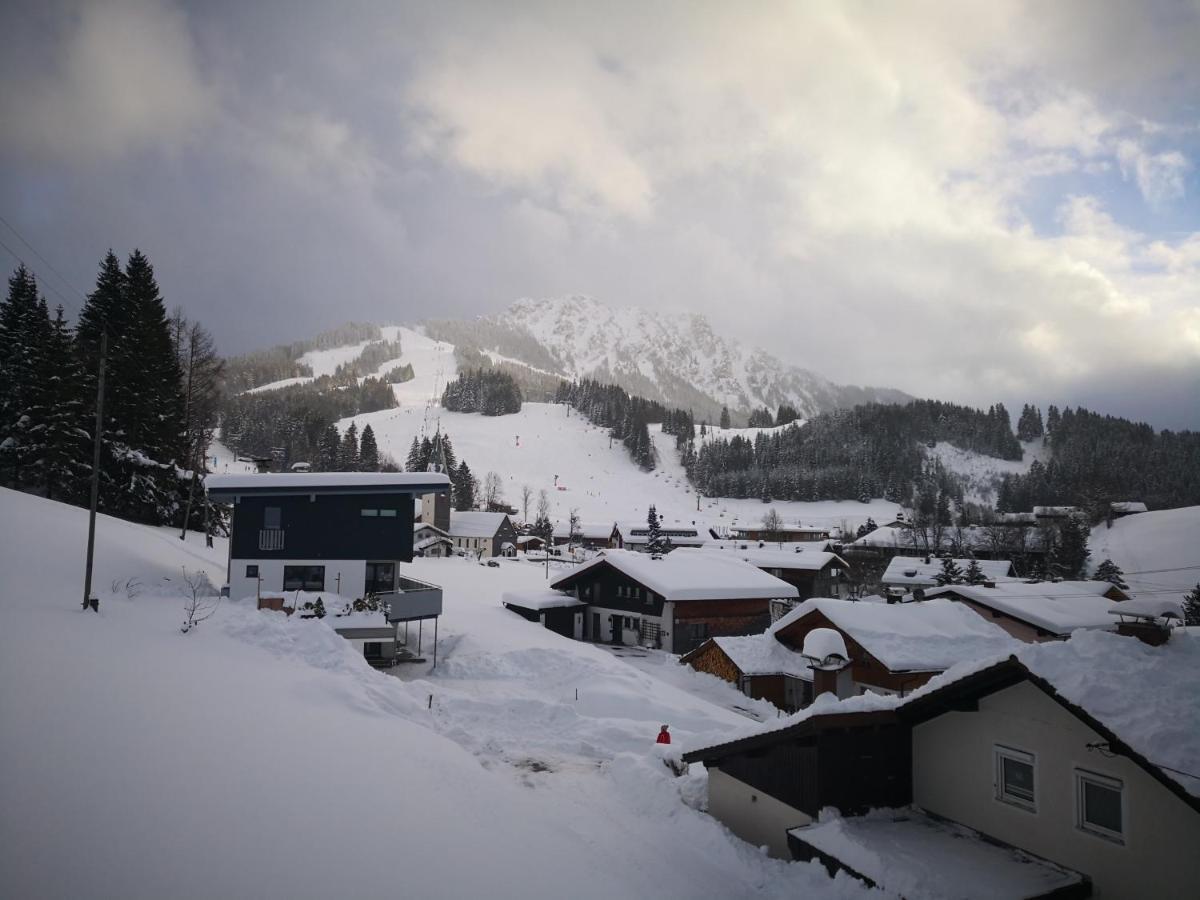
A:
[99,437]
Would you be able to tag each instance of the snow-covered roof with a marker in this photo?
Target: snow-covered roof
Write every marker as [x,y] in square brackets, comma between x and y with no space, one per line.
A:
[677,534]
[761,654]
[770,558]
[591,531]
[331,482]
[475,523]
[913,571]
[910,637]
[1150,607]
[422,526]
[539,599]
[432,541]
[691,576]
[1054,512]
[1058,607]
[907,853]
[751,544]
[973,537]
[1144,695]
[1128,506]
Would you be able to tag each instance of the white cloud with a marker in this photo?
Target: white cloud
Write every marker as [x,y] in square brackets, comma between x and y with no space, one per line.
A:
[1159,176]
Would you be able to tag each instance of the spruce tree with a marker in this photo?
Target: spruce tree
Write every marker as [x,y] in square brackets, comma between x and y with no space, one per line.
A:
[65,438]
[974,574]
[654,538]
[1109,571]
[347,460]
[327,449]
[413,462]
[725,421]
[1191,606]
[950,573]
[368,451]
[464,487]
[24,336]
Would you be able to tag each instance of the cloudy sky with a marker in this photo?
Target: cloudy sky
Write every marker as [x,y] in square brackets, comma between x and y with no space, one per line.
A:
[974,201]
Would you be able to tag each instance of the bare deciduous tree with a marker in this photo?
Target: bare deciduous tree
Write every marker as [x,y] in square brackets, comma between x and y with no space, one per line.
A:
[203,371]
[200,599]
[526,496]
[572,530]
[493,491]
[772,524]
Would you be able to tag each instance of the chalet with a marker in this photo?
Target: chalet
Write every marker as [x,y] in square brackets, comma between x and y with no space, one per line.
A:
[759,666]
[635,535]
[1038,611]
[342,532]
[590,535]
[814,573]
[431,541]
[782,533]
[1121,508]
[674,602]
[554,610]
[483,533]
[892,649]
[1061,770]
[907,573]
[531,543]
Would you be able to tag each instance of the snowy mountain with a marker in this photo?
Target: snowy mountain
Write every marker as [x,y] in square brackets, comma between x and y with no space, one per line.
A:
[678,359]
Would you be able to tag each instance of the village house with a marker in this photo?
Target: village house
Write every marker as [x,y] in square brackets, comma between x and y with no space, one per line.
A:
[674,602]
[759,666]
[892,648]
[906,572]
[998,541]
[635,535]
[1063,770]
[1118,509]
[1041,610]
[785,532]
[814,573]
[589,535]
[561,613]
[483,533]
[431,541]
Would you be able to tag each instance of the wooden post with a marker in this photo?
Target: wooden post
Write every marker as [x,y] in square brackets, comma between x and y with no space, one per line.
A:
[95,500]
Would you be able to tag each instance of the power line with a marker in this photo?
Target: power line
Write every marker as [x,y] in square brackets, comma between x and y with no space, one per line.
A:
[1157,571]
[18,258]
[33,250]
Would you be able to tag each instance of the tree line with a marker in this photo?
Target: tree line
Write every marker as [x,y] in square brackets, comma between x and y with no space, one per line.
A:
[491,392]
[626,417]
[277,363]
[163,382]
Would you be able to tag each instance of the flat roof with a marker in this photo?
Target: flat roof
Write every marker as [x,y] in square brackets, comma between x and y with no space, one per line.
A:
[327,483]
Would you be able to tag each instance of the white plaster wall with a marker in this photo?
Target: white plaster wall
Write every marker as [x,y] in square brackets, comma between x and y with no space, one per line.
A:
[753,816]
[353,572]
[954,775]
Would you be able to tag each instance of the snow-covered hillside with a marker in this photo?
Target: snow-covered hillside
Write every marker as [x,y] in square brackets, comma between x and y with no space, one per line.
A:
[1158,551]
[259,756]
[679,359]
[981,475]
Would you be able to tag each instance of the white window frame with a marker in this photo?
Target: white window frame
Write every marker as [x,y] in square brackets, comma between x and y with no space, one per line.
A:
[1000,753]
[1084,776]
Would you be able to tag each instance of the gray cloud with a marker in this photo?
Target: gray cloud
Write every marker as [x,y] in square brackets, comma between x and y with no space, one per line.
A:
[848,184]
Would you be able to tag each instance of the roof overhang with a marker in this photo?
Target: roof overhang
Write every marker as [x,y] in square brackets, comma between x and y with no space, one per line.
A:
[326,483]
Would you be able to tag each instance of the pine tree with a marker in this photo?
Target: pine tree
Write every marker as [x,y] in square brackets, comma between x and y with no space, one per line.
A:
[412,462]
[654,538]
[1109,571]
[464,487]
[328,446]
[1191,606]
[725,421]
[65,437]
[950,573]
[1070,552]
[347,460]
[974,574]
[24,336]
[368,451]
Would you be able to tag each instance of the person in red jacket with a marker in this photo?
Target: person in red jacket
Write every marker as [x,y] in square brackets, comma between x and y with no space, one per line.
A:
[664,736]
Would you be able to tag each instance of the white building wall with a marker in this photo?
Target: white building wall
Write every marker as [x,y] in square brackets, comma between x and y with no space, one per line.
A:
[755,817]
[353,574]
[954,776]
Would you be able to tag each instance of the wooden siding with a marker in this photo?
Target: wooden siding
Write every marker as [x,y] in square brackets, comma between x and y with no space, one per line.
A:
[710,658]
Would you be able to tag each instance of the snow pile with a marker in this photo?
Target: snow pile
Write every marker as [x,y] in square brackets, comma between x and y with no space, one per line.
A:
[910,637]
[1156,550]
[693,575]
[136,761]
[539,599]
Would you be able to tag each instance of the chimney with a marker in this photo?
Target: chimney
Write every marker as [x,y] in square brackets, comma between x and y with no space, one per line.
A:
[1154,632]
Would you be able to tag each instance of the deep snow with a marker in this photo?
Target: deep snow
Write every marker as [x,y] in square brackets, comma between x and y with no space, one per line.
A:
[260,756]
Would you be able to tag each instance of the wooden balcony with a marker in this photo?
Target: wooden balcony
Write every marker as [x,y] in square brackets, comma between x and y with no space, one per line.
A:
[270,539]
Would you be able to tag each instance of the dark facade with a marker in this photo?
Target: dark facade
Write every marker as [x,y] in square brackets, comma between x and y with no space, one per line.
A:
[323,526]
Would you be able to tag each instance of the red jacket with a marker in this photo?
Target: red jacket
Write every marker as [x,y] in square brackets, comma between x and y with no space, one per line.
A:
[663,738]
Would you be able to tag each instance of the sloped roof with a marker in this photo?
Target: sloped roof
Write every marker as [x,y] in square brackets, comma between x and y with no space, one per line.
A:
[1058,607]
[770,558]
[539,599]
[587,530]
[910,637]
[696,576]
[761,654]
[1144,696]
[475,523]
[913,571]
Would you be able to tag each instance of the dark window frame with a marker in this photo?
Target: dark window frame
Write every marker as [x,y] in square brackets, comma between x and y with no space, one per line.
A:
[303,578]
[252,570]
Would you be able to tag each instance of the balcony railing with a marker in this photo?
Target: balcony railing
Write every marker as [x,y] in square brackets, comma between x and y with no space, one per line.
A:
[270,539]
[413,599]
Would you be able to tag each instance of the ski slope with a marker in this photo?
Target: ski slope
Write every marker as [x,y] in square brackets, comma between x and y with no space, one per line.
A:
[1158,551]
[259,756]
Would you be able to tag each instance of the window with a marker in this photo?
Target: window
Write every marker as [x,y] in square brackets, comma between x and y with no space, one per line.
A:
[368,513]
[1099,804]
[387,514]
[271,517]
[251,571]
[304,578]
[1015,782]
[381,577]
